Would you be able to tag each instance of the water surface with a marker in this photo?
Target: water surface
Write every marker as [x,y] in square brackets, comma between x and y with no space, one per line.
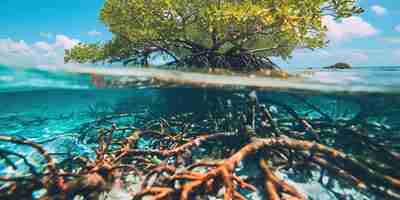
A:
[61,108]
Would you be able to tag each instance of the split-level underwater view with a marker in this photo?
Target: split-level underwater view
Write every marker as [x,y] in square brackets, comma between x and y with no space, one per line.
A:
[138,141]
[200,100]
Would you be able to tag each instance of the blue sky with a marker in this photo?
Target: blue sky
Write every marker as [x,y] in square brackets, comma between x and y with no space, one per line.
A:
[25,20]
[36,33]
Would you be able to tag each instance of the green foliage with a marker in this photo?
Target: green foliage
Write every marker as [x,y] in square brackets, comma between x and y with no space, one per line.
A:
[183,28]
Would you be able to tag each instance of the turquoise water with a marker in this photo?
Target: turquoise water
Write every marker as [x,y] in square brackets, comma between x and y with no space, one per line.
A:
[63,110]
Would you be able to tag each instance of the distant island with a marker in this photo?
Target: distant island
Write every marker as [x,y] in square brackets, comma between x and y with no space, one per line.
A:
[340,65]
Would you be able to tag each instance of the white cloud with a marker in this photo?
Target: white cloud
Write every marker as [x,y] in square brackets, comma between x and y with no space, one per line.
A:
[19,53]
[44,46]
[379,10]
[348,28]
[15,52]
[14,46]
[65,42]
[397,28]
[94,33]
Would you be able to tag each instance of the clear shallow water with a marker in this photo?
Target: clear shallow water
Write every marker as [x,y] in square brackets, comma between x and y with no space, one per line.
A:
[32,92]
[56,108]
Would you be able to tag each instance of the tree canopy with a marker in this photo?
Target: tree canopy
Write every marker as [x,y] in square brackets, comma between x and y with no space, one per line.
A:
[234,34]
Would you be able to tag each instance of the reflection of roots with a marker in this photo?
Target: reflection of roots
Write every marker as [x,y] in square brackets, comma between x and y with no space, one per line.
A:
[170,169]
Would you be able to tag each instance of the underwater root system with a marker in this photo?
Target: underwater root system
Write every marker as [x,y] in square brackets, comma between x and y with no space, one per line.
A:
[207,165]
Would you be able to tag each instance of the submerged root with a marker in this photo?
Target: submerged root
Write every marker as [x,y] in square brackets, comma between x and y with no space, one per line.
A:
[171,183]
[171,167]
